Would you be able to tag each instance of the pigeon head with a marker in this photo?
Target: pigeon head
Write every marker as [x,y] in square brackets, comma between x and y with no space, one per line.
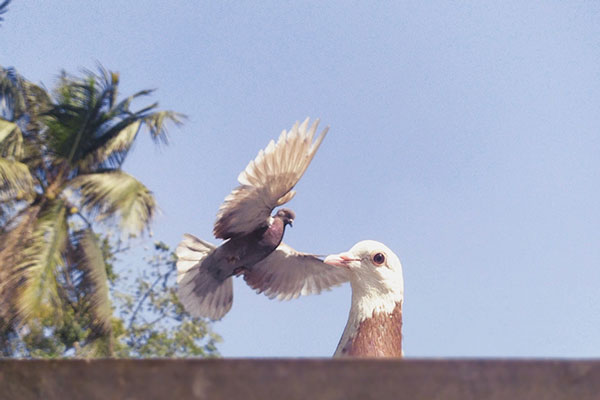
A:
[286,215]
[374,270]
[374,327]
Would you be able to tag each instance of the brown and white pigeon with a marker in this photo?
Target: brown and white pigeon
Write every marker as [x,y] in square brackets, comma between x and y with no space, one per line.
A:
[253,246]
[374,327]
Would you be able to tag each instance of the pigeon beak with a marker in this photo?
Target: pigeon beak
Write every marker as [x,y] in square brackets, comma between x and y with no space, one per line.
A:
[291,222]
[341,260]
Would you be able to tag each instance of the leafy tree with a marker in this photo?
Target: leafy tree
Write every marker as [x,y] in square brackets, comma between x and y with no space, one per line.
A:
[152,321]
[148,319]
[60,167]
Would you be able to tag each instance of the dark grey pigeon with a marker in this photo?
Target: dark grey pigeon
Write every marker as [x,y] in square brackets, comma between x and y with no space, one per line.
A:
[253,246]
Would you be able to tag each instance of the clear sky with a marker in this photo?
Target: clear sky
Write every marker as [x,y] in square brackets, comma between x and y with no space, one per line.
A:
[464,135]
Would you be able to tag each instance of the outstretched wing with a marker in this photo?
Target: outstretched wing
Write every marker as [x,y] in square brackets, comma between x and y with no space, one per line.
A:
[267,181]
[286,274]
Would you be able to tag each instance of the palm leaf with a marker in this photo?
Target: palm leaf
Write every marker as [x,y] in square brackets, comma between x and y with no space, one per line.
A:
[113,152]
[41,257]
[19,97]
[114,142]
[11,139]
[75,118]
[12,103]
[37,99]
[89,129]
[90,261]
[12,243]
[4,7]
[156,122]
[15,178]
[116,193]
[14,175]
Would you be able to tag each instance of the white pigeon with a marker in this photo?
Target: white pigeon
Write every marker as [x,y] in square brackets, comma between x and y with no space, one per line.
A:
[374,327]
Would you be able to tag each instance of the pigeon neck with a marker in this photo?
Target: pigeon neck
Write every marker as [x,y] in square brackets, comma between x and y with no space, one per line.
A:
[271,237]
[374,327]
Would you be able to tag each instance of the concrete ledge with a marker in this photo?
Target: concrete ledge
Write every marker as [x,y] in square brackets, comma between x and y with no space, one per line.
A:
[289,379]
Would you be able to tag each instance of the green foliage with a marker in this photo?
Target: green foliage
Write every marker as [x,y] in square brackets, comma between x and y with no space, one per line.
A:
[60,177]
[147,318]
[116,194]
[153,322]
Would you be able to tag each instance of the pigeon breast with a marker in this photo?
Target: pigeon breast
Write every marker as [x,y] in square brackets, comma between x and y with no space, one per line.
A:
[377,336]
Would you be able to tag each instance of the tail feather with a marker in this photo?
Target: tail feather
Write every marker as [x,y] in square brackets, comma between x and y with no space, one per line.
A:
[199,291]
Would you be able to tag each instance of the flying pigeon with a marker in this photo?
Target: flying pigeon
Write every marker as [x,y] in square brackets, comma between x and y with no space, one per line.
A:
[253,237]
[374,327]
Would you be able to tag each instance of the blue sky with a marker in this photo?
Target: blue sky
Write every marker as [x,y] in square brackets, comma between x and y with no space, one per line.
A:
[464,135]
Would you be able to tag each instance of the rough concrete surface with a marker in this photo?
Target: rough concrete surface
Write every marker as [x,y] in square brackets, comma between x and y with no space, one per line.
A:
[299,379]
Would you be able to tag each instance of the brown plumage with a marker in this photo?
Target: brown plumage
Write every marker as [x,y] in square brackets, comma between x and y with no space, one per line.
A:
[253,246]
[378,336]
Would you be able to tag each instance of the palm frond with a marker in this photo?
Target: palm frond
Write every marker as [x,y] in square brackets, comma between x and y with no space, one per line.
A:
[88,127]
[156,122]
[74,119]
[12,101]
[11,139]
[117,194]
[36,97]
[19,97]
[4,8]
[90,261]
[41,257]
[12,241]
[15,178]
[113,152]
[115,140]
[123,106]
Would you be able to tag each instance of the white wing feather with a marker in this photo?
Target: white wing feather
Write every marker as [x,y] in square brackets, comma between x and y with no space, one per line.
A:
[286,274]
[200,293]
[267,181]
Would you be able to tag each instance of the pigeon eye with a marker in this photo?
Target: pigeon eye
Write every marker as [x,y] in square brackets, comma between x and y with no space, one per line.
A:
[378,258]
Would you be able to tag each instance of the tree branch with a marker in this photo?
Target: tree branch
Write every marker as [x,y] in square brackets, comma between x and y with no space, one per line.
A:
[142,300]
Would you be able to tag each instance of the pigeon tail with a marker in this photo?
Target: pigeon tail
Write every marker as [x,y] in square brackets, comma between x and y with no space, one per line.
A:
[201,293]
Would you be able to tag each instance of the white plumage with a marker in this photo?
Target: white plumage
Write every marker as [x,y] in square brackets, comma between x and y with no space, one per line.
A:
[192,279]
[286,274]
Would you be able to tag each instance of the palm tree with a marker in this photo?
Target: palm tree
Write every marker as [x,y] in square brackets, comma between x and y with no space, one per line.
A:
[60,167]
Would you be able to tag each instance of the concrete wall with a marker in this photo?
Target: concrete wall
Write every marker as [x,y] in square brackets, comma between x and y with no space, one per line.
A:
[299,379]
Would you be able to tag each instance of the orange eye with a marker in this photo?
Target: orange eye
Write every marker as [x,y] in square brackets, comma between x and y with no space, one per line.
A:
[378,258]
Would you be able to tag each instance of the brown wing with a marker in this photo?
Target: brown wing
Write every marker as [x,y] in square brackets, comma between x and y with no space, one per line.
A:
[267,181]
[286,274]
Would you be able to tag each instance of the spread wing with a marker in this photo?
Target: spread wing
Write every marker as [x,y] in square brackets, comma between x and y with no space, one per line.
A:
[286,274]
[267,181]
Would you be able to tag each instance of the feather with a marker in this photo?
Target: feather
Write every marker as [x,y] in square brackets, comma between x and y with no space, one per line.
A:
[267,180]
[287,273]
[199,291]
